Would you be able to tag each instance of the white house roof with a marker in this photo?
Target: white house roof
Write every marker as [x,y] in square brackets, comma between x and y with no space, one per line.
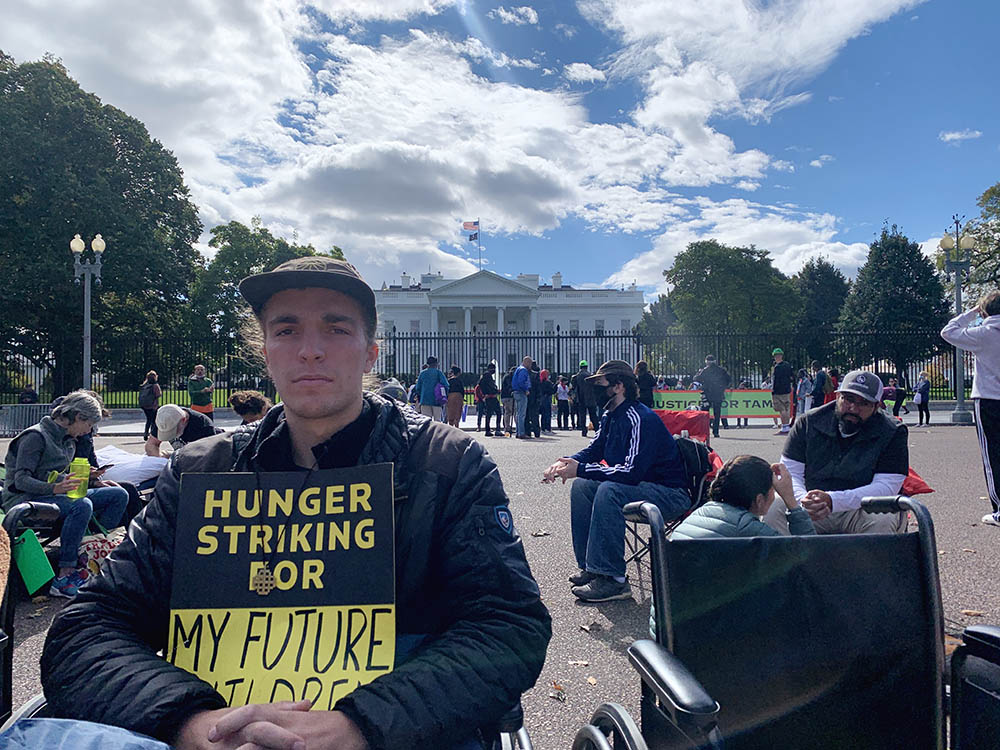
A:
[483,284]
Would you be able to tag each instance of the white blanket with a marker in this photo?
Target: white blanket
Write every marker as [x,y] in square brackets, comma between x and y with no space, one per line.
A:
[135,468]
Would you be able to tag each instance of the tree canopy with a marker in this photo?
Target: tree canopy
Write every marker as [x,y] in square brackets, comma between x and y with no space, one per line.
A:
[737,289]
[897,291]
[241,251]
[658,319]
[986,229]
[822,289]
[70,164]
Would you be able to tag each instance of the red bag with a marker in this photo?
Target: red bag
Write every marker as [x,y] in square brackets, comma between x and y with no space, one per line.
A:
[914,485]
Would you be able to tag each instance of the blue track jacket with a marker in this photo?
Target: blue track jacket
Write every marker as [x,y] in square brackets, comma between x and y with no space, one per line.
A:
[637,447]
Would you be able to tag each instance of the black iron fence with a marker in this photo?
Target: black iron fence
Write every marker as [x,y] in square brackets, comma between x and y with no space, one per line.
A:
[120,364]
[747,357]
[120,367]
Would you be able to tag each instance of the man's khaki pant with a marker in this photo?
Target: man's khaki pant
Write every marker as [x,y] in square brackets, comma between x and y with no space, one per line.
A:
[844,522]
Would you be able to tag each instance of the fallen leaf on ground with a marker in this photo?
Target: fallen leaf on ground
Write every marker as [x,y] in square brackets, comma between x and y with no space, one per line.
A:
[541,532]
[591,681]
[579,663]
[966,549]
[585,628]
[942,552]
[558,693]
[39,599]
[972,613]
[520,493]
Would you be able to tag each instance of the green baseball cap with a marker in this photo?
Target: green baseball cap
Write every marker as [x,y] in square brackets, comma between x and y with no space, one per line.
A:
[777,350]
[583,363]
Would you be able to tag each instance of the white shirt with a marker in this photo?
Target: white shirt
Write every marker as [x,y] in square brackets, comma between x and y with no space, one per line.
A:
[880,486]
[984,342]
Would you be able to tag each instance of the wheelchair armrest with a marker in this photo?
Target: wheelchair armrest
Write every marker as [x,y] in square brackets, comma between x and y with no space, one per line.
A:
[889,504]
[983,641]
[511,721]
[29,513]
[673,684]
[633,512]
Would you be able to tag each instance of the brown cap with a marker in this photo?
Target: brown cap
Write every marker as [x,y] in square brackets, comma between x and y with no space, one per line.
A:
[618,367]
[309,271]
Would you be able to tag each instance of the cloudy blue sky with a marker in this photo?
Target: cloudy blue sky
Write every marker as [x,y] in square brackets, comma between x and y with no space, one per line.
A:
[595,137]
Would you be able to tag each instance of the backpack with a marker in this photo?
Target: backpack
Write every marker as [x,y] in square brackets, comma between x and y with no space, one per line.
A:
[440,395]
[147,396]
[827,383]
[697,466]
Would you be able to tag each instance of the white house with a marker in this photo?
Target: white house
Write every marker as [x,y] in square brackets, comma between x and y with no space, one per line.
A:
[487,302]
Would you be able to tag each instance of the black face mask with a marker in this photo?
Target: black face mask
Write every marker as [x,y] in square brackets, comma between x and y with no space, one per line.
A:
[603,394]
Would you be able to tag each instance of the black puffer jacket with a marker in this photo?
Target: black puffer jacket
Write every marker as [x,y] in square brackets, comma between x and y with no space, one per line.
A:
[461,578]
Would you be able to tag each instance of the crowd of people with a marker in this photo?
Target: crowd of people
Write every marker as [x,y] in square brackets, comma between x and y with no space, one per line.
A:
[466,601]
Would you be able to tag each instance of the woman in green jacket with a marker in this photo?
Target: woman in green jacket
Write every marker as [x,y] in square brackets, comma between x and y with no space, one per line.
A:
[742,492]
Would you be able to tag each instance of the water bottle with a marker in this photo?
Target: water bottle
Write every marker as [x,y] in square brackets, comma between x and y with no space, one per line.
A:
[79,468]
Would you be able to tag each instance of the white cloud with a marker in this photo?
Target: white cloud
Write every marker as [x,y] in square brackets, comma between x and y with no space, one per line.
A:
[342,11]
[791,236]
[383,145]
[583,73]
[823,159]
[957,136]
[519,16]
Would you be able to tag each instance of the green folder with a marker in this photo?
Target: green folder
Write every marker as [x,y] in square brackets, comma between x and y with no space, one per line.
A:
[36,570]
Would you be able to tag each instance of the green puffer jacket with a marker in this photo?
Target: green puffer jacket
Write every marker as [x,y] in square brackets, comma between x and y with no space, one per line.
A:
[715,519]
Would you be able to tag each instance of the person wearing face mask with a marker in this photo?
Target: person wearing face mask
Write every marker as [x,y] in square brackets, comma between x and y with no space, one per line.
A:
[842,452]
[632,457]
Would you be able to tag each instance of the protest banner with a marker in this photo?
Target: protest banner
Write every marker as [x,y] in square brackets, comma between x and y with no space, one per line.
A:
[741,403]
[284,583]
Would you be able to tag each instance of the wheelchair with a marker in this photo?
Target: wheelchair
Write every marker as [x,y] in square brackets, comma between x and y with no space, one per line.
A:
[803,642]
[509,732]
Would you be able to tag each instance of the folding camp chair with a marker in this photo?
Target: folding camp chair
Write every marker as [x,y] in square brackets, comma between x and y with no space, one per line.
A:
[698,467]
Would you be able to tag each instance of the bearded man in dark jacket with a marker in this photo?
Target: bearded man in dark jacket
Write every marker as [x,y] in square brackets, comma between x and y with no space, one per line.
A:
[471,628]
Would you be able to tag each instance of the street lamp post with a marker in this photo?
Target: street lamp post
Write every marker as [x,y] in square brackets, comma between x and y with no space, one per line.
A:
[86,269]
[959,265]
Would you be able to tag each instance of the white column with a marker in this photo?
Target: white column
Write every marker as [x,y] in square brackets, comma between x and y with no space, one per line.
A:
[500,321]
[434,320]
[468,320]
[501,346]
[534,320]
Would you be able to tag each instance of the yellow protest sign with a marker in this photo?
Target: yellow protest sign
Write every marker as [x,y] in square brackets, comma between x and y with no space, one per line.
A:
[284,583]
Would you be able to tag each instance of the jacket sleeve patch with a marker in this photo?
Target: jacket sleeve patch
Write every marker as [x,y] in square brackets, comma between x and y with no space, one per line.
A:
[504,520]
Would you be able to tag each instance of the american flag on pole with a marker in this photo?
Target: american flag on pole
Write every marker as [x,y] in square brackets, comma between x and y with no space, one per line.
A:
[467,225]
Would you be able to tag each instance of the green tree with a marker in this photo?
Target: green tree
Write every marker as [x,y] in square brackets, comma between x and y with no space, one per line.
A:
[822,288]
[985,274]
[70,164]
[898,295]
[658,319]
[716,287]
[240,251]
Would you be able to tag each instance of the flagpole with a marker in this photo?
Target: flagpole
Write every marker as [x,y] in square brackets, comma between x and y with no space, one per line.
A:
[479,241]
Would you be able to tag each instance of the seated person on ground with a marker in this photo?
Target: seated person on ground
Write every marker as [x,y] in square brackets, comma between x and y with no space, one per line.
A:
[842,452]
[37,464]
[177,426]
[643,463]
[251,406]
[471,630]
[742,492]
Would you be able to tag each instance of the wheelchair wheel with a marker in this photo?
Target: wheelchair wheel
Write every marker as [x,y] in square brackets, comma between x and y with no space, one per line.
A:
[518,740]
[611,728]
